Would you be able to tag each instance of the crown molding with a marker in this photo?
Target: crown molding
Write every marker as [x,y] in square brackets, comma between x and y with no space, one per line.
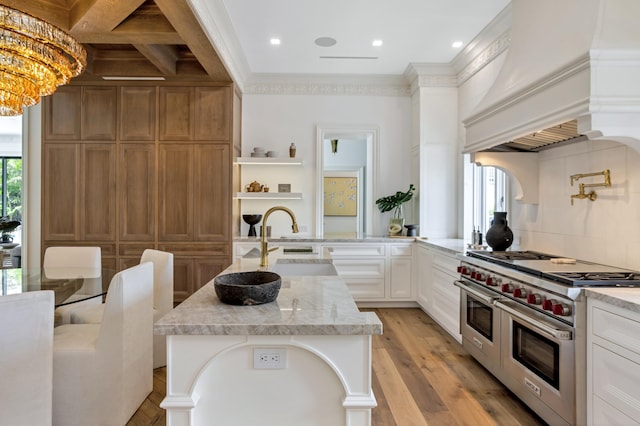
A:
[308,84]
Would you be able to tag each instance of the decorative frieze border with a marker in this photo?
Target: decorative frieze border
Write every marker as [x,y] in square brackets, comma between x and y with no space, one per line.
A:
[485,57]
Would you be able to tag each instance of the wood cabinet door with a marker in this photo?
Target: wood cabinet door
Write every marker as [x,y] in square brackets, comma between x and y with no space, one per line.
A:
[61,187]
[137,113]
[176,113]
[213,113]
[99,113]
[183,279]
[212,195]
[98,167]
[136,192]
[62,114]
[175,192]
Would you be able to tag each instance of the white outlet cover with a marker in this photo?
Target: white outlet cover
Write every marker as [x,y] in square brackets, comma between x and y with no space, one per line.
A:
[269,358]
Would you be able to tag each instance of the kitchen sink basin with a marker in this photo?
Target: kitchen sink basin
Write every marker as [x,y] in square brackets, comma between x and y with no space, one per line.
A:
[304,267]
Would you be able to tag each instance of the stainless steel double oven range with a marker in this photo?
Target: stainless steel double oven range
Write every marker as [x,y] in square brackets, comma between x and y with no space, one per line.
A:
[523,317]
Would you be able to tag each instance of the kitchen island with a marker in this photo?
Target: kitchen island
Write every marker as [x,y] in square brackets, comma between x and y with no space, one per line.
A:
[315,334]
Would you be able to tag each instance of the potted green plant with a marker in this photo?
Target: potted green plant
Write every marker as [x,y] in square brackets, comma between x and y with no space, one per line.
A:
[7,226]
[395,202]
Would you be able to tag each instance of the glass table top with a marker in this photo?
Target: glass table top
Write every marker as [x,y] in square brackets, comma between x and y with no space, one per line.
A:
[68,285]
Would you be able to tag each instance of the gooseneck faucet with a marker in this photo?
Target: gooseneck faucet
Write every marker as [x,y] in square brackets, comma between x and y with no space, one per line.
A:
[264,249]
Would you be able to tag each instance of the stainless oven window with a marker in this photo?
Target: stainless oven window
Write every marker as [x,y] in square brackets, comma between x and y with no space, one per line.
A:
[480,317]
[537,353]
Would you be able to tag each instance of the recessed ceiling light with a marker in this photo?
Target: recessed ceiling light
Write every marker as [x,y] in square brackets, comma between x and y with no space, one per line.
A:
[377,43]
[325,41]
[275,41]
[456,44]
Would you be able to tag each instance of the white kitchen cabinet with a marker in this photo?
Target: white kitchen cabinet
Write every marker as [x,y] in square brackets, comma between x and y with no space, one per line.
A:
[401,271]
[613,364]
[240,249]
[363,268]
[437,295]
[423,276]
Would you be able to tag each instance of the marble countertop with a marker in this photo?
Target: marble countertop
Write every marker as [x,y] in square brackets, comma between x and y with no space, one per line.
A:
[623,297]
[306,305]
[366,239]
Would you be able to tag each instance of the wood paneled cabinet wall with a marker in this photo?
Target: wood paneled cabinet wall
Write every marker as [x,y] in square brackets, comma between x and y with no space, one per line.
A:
[130,167]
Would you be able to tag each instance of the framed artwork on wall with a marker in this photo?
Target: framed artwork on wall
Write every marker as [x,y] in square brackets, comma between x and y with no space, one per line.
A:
[340,196]
[284,187]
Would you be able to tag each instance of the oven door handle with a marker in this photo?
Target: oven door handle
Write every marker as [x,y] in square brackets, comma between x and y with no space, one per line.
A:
[542,328]
[488,299]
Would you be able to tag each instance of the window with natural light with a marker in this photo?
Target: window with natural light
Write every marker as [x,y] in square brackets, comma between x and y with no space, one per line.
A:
[11,171]
[490,186]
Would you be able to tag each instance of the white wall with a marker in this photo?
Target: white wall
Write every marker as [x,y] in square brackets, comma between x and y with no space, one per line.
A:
[274,121]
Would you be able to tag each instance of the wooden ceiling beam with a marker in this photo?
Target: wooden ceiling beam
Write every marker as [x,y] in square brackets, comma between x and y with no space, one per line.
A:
[100,15]
[130,38]
[183,20]
[163,56]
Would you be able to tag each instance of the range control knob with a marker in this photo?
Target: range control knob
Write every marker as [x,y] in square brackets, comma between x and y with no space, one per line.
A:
[547,304]
[506,288]
[459,269]
[480,276]
[520,292]
[534,298]
[489,281]
[474,275]
[561,309]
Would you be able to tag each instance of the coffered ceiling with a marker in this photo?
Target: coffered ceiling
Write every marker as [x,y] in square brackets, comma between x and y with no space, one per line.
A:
[141,38]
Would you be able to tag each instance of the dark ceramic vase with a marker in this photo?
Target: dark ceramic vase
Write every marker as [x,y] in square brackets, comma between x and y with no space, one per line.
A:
[499,237]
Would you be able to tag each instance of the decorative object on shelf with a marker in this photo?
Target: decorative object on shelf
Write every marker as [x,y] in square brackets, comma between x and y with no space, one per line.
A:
[334,146]
[591,195]
[252,220]
[284,187]
[292,150]
[499,236]
[412,230]
[254,186]
[395,202]
[7,226]
[36,58]
[265,188]
[272,153]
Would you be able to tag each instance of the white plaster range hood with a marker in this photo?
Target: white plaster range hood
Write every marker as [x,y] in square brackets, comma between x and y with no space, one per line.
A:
[568,60]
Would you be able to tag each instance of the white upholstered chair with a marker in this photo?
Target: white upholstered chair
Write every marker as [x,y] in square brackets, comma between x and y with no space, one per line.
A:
[103,372]
[26,339]
[162,301]
[74,262]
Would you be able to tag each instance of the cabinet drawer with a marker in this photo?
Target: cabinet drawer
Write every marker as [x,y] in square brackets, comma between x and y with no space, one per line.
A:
[360,267]
[446,263]
[615,380]
[356,250]
[402,250]
[605,414]
[622,331]
[365,288]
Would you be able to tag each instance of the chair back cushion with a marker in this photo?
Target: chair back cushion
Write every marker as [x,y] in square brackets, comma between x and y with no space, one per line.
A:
[127,328]
[162,279]
[26,370]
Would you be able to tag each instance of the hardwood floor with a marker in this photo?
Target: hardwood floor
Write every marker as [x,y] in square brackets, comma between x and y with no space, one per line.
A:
[421,376]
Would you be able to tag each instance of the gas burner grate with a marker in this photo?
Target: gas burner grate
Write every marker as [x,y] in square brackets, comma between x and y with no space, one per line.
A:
[511,255]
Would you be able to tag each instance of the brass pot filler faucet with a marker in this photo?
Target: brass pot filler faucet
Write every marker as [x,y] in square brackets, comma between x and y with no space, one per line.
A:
[592,194]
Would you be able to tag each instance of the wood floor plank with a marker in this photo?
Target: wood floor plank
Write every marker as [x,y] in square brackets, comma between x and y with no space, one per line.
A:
[420,375]
[403,407]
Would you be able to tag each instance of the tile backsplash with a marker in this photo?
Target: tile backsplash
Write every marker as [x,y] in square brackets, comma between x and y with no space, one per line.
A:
[606,230]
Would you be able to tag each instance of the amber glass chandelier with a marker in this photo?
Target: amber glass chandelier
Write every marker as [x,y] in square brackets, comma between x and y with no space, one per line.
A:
[35,58]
